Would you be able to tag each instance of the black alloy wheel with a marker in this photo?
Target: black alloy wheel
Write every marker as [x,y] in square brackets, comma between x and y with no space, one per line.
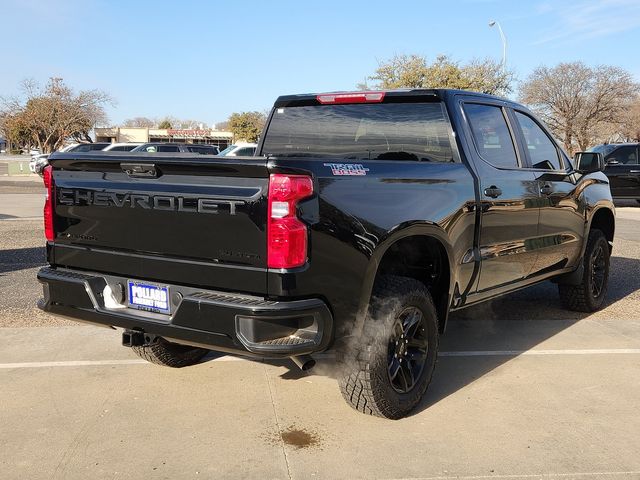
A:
[598,270]
[588,293]
[408,348]
[387,366]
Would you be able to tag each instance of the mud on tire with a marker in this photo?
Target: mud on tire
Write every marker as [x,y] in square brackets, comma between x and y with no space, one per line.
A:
[402,326]
[162,352]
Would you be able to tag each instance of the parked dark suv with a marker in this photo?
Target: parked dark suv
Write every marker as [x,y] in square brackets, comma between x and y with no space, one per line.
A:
[622,168]
[89,147]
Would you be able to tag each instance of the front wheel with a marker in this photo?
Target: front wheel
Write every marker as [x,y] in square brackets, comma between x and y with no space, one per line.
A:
[386,370]
[589,295]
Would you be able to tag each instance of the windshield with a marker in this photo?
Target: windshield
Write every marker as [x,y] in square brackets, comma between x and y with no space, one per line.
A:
[382,131]
[227,150]
[603,149]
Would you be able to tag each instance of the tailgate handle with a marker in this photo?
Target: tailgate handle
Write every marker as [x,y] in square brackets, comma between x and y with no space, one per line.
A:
[139,169]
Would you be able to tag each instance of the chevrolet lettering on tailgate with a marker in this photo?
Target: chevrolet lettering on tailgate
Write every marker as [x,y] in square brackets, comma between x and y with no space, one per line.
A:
[149,202]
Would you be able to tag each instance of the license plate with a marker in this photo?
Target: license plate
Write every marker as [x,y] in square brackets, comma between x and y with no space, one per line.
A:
[150,297]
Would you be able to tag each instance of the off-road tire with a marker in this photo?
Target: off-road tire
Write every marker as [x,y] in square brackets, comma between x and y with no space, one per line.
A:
[364,379]
[581,298]
[162,352]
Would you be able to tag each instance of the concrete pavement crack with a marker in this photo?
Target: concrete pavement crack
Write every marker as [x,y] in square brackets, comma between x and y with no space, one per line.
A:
[275,416]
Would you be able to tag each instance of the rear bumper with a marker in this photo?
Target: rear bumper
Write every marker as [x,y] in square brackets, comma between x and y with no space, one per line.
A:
[226,322]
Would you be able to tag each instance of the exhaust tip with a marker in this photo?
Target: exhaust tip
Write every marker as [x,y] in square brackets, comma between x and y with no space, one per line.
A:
[304,362]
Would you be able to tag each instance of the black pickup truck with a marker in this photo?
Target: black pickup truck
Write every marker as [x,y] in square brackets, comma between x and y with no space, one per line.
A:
[362,221]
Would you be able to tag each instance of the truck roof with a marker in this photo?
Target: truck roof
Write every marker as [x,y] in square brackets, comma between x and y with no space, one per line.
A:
[402,94]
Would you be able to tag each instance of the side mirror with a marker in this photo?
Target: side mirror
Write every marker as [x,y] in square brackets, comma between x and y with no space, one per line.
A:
[589,162]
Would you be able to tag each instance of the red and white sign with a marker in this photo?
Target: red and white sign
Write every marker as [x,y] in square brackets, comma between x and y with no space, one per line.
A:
[188,133]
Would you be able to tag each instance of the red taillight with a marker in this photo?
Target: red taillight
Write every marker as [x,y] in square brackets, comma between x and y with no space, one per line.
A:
[47,176]
[352,97]
[286,234]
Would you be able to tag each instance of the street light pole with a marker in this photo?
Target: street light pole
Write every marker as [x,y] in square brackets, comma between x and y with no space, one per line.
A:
[504,44]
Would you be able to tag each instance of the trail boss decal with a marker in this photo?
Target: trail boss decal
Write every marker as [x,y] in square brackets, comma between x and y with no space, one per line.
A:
[340,169]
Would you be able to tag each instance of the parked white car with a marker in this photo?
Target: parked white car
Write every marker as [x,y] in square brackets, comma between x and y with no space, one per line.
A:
[121,147]
[240,149]
[38,162]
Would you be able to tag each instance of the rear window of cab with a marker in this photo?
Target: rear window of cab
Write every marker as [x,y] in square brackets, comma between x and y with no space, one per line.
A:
[367,131]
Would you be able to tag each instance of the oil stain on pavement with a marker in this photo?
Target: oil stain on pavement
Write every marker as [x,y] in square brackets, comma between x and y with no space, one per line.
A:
[299,438]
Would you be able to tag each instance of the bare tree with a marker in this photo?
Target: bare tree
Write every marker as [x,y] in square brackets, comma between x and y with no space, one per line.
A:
[47,117]
[631,122]
[139,122]
[582,105]
[191,124]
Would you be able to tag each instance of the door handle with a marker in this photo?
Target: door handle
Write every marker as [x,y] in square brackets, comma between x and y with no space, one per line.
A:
[634,171]
[546,190]
[492,191]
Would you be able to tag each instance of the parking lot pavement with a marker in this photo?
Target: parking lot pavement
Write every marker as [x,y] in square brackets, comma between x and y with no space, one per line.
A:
[523,389]
[76,405]
[628,223]
[25,184]
[20,206]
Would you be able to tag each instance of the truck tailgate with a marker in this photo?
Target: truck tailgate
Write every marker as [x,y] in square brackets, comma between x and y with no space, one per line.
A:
[183,218]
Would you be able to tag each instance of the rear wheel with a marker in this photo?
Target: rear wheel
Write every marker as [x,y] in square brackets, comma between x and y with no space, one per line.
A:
[589,295]
[387,369]
[163,352]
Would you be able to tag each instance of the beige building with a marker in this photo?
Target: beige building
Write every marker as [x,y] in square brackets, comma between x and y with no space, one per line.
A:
[130,134]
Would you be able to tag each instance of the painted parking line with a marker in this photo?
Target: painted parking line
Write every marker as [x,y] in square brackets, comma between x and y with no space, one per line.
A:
[471,353]
[517,353]
[92,363]
[573,476]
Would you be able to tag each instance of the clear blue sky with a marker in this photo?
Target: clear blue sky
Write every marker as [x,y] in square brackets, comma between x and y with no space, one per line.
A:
[206,59]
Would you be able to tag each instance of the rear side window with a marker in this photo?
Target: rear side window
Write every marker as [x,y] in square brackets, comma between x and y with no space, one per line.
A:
[381,131]
[491,135]
[167,148]
[203,150]
[542,151]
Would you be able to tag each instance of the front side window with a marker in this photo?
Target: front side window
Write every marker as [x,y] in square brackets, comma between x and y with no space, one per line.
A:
[368,131]
[491,134]
[542,151]
[624,155]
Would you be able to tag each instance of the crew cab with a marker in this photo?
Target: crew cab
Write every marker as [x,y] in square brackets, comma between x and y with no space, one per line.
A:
[363,220]
[622,168]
